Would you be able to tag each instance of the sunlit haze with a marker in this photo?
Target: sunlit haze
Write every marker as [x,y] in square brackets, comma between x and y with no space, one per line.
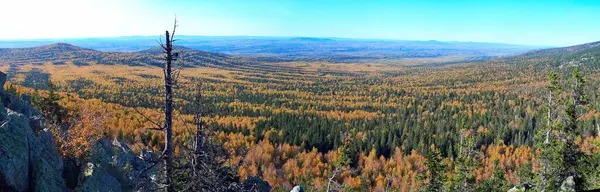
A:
[554,23]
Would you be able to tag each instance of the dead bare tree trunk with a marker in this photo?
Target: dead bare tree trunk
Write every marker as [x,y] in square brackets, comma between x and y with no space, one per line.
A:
[171,77]
[331,179]
[387,185]
[168,115]
[168,127]
[549,117]
[199,144]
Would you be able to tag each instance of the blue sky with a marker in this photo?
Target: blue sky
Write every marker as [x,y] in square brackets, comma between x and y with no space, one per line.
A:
[531,22]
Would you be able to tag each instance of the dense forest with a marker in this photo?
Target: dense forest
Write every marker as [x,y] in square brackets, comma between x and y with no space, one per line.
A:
[527,121]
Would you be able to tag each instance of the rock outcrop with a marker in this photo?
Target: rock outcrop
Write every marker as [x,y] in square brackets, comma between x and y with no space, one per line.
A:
[117,159]
[297,188]
[516,189]
[48,168]
[568,185]
[29,160]
[14,152]
[95,178]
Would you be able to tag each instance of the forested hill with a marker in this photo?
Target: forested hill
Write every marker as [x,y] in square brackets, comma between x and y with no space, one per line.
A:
[62,53]
[563,50]
[587,55]
[58,51]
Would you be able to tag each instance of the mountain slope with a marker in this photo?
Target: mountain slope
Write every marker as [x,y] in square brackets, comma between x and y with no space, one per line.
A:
[53,52]
[587,55]
[563,50]
[61,53]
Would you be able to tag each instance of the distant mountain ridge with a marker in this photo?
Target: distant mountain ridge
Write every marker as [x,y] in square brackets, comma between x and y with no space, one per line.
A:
[61,53]
[299,48]
[159,49]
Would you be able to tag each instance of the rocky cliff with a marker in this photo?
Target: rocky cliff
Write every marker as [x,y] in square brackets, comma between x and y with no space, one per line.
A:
[30,161]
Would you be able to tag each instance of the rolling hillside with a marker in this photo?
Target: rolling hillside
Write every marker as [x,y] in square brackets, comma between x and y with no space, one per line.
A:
[563,50]
[587,55]
[61,53]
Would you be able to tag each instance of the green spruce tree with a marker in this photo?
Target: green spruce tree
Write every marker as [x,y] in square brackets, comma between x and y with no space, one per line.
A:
[463,178]
[437,171]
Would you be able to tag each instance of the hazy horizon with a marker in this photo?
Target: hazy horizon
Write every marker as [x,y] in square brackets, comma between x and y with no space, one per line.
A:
[538,23]
[237,37]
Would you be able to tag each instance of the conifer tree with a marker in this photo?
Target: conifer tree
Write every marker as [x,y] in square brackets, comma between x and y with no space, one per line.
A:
[549,148]
[560,158]
[463,178]
[571,154]
[437,171]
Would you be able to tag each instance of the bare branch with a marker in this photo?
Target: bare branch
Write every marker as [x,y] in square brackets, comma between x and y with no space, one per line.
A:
[176,77]
[387,186]
[155,129]
[147,118]
[174,27]
[185,123]
[331,179]
[160,42]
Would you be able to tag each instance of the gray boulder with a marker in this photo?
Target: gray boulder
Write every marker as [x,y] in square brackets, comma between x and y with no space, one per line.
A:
[116,159]
[15,135]
[14,103]
[96,179]
[297,188]
[516,189]
[123,155]
[102,152]
[48,165]
[28,161]
[20,106]
[568,185]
